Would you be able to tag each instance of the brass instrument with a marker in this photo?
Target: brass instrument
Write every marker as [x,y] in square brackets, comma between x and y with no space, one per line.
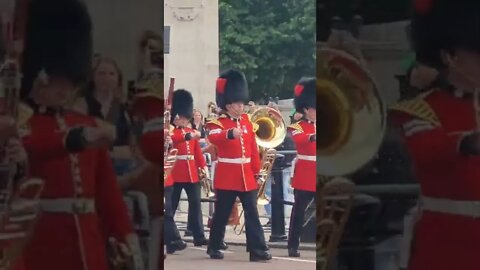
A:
[211,111]
[205,182]
[19,195]
[270,131]
[353,119]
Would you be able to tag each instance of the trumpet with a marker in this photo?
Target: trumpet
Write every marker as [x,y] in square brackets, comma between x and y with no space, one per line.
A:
[205,182]
[270,131]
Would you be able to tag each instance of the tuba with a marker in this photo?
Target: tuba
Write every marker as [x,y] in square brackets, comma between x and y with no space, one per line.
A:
[353,119]
[270,131]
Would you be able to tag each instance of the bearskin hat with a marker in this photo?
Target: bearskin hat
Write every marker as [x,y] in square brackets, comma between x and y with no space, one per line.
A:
[58,42]
[305,95]
[182,104]
[231,87]
[444,25]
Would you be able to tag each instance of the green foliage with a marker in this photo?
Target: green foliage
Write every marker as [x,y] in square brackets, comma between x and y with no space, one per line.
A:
[272,41]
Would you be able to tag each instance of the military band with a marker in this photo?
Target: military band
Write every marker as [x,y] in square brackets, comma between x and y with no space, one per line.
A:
[304,176]
[84,222]
[238,166]
[189,161]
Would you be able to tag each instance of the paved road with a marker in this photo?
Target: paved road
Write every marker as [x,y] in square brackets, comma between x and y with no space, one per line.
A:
[236,258]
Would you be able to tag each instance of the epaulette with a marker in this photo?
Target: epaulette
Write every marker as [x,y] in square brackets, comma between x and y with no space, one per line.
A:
[296,126]
[25,112]
[215,122]
[417,107]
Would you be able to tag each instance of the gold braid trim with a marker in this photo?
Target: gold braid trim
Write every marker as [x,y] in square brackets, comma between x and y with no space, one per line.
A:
[296,126]
[215,122]
[419,108]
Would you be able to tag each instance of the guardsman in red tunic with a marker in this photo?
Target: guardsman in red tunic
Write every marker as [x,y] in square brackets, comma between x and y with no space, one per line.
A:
[152,148]
[82,205]
[440,129]
[190,160]
[304,178]
[238,166]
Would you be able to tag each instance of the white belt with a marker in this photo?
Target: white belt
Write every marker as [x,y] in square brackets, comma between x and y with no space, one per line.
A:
[68,205]
[452,207]
[305,157]
[185,157]
[234,160]
[155,124]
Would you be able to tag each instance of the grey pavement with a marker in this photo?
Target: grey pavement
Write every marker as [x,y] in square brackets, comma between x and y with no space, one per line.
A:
[236,258]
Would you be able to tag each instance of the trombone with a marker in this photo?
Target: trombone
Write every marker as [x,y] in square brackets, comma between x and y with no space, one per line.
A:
[270,131]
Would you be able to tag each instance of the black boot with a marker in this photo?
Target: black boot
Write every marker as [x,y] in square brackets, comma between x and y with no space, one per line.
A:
[200,242]
[223,246]
[260,256]
[177,245]
[215,254]
[293,252]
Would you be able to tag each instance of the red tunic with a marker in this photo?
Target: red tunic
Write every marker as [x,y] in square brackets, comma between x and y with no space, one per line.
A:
[304,177]
[151,144]
[67,240]
[443,241]
[189,157]
[239,176]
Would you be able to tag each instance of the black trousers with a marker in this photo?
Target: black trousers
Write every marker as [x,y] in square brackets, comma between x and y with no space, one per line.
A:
[195,218]
[223,209]
[170,228]
[297,218]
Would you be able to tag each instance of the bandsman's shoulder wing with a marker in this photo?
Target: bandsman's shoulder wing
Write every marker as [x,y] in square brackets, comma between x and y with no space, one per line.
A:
[417,108]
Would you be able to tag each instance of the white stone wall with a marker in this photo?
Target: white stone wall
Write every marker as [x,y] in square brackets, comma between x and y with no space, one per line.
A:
[194,51]
[118,26]
[385,47]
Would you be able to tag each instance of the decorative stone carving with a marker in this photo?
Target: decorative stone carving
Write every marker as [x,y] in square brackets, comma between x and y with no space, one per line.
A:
[185,10]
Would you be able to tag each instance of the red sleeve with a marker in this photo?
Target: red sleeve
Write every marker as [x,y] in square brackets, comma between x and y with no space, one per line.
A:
[299,137]
[255,158]
[428,145]
[199,158]
[110,206]
[216,134]
[151,144]
[45,145]
[178,137]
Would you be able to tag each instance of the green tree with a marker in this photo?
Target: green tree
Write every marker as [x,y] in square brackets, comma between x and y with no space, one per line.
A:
[272,41]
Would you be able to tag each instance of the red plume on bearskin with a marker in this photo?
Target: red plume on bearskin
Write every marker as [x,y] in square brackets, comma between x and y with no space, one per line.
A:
[305,94]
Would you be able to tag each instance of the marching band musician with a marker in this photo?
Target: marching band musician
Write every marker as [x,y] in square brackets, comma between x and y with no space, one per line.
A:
[151,145]
[440,129]
[153,152]
[82,206]
[190,160]
[304,176]
[238,166]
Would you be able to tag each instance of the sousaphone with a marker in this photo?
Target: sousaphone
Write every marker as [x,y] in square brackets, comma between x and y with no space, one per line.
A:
[352,121]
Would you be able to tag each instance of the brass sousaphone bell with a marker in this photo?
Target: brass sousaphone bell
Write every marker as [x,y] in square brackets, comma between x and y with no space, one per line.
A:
[352,121]
[350,111]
